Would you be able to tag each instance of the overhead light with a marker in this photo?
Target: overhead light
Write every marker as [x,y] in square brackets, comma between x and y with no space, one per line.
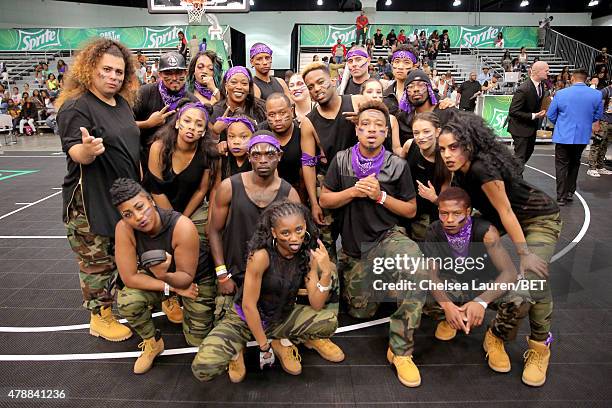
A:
[457,3]
[388,3]
[593,3]
[251,2]
[319,2]
[524,3]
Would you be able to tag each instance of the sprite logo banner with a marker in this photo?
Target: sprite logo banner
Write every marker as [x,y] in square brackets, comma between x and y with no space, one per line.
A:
[40,39]
[460,36]
[495,113]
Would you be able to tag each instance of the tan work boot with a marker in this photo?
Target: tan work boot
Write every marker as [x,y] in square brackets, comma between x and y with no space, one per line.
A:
[326,349]
[536,363]
[445,332]
[237,369]
[172,308]
[496,353]
[407,371]
[288,355]
[150,349]
[106,326]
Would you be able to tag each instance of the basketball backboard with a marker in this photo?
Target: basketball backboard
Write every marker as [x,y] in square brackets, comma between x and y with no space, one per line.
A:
[212,6]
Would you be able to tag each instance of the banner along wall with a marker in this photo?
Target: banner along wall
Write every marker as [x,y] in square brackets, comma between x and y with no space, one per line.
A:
[495,112]
[460,36]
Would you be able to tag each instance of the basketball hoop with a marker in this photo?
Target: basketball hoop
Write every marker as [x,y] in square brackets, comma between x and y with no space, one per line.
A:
[195,10]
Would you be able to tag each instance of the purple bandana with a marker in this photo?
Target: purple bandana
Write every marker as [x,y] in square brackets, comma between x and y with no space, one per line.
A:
[202,90]
[355,53]
[259,49]
[309,161]
[404,54]
[407,107]
[271,140]
[170,99]
[196,105]
[237,70]
[364,166]
[229,121]
[460,242]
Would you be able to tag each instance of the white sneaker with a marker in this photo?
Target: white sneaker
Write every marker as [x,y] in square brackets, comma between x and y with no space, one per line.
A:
[604,171]
[593,173]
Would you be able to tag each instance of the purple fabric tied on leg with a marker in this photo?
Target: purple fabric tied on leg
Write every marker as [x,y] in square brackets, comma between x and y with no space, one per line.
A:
[309,161]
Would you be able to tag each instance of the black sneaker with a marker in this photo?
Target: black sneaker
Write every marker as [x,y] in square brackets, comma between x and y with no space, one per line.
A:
[570,197]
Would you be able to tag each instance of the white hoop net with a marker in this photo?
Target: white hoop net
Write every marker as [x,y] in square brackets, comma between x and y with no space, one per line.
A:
[195,10]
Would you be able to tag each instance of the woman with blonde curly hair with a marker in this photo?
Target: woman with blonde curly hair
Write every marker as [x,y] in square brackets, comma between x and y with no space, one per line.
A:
[101,140]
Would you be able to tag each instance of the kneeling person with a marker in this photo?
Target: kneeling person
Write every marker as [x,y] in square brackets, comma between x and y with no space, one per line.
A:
[187,270]
[284,253]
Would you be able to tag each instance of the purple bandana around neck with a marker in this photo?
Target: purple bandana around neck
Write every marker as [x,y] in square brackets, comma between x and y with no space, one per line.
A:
[202,90]
[460,242]
[170,99]
[407,107]
[230,120]
[194,105]
[364,166]
[404,54]
[261,48]
[355,53]
[238,69]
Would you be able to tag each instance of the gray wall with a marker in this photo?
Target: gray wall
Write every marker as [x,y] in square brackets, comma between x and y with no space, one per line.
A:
[272,28]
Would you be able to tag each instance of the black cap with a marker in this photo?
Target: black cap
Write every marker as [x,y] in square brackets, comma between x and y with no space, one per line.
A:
[417,75]
[171,60]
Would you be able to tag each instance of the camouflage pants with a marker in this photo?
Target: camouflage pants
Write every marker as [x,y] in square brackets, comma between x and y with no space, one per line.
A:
[511,309]
[200,220]
[231,335]
[597,153]
[358,290]
[327,236]
[418,227]
[95,255]
[135,305]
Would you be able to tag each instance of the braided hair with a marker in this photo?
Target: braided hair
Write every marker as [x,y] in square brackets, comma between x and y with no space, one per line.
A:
[262,238]
[478,140]
[124,189]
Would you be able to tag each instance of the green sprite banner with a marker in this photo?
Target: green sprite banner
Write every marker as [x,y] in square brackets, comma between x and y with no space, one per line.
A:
[495,113]
[39,39]
[460,36]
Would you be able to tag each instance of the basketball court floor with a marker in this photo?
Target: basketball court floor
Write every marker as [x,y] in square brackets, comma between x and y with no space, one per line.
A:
[45,341]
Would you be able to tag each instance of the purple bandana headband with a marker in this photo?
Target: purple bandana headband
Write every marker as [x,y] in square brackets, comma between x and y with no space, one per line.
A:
[196,105]
[237,70]
[355,53]
[229,121]
[404,54]
[259,49]
[407,107]
[269,139]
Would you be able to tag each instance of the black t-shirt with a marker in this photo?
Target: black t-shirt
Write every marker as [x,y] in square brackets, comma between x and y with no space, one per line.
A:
[467,90]
[378,39]
[422,170]
[290,164]
[116,126]
[364,223]
[526,200]
[391,38]
[352,88]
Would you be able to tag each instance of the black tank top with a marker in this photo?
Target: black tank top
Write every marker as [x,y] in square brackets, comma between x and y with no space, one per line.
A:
[352,88]
[240,226]
[279,287]
[335,134]
[179,188]
[268,88]
[422,170]
[291,163]
[163,240]
[230,167]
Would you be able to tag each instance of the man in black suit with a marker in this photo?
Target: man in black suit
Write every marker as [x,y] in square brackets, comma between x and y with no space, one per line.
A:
[526,111]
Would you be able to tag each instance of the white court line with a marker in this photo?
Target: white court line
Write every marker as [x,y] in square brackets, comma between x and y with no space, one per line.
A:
[23,203]
[29,205]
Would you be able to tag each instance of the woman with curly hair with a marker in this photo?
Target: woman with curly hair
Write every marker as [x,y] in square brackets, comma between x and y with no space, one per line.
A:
[101,142]
[204,76]
[284,254]
[486,169]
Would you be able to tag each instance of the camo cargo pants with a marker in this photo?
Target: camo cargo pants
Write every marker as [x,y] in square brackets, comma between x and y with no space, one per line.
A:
[200,220]
[95,256]
[326,234]
[597,153]
[135,305]
[358,278]
[231,335]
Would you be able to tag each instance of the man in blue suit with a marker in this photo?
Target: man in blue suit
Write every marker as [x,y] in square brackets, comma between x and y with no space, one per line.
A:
[575,111]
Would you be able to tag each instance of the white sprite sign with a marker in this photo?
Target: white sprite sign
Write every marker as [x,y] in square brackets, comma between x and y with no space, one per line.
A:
[39,39]
[346,34]
[478,37]
[159,38]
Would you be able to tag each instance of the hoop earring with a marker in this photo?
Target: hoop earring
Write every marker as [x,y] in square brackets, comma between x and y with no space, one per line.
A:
[309,237]
[274,242]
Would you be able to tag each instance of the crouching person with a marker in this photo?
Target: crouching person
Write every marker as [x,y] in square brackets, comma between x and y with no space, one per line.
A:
[284,253]
[185,269]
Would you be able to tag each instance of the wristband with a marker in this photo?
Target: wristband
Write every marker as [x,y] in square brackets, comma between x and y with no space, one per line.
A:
[225,279]
[382,198]
[221,270]
[481,302]
[166,289]
[322,288]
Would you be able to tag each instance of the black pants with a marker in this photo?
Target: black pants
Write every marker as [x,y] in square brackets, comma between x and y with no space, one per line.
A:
[523,148]
[361,36]
[567,164]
